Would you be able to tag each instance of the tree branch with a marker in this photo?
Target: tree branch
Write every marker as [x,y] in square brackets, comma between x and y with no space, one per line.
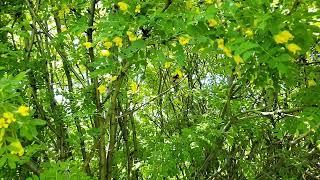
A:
[151,100]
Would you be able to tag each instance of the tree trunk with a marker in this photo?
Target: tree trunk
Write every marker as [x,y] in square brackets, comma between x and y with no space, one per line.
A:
[99,120]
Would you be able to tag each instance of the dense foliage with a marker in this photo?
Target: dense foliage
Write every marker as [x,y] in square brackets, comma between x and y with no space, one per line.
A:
[208,89]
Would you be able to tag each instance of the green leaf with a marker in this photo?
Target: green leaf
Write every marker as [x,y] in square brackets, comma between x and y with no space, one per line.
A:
[180,55]
[247,55]
[244,47]
[303,37]
[211,11]
[282,63]
[135,46]
[11,163]
[197,30]
[25,132]
[38,122]
[3,160]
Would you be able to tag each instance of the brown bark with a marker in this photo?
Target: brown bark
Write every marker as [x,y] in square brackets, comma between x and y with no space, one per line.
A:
[113,120]
[99,120]
[123,123]
[135,146]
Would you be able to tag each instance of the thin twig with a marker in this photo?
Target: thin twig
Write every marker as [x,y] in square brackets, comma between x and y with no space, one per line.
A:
[62,55]
[151,100]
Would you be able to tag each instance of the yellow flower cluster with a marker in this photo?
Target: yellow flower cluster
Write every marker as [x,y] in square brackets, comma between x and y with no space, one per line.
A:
[138,9]
[23,110]
[190,4]
[113,78]
[17,148]
[102,89]
[3,123]
[105,53]
[177,74]
[107,44]
[132,37]
[311,83]
[87,45]
[293,48]
[220,43]
[208,1]
[285,36]
[238,59]
[64,10]
[123,6]
[249,33]
[118,41]
[228,53]
[212,22]
[226,50]
[167,65]
[134,87]
[8,117]
[184,40]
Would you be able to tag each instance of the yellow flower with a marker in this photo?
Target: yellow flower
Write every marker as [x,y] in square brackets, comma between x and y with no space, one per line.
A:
[102,89]
[197,10]
[212,22]
[178,73]
[107,44]
[23,110]
[17,148]
[118,41]
[190,4]
[311,83]
[227,51]
[134,87]
[63,29]
[138,9]
[105,53]
[238,59]
[283,37]
[183,40]
[220,43]
[87,45]
[3,123]
[238,5]
[9,117]
[293,48]
[208,1]
[167,65]
[132,36]
[113,78]
[64,10]
[249,33]
[123,6]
